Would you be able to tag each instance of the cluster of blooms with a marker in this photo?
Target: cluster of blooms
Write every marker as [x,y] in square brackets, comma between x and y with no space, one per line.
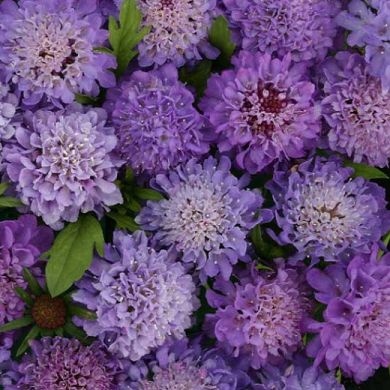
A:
[256,259]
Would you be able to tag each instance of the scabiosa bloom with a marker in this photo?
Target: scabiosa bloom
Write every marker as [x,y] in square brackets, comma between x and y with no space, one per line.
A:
[155,121]
[206,216]
[62,163]
[140,295]
[21,243]
[262,110]
[356,110]
[356,318]
[304,28]
[369,23]
[6,342]
[60,363]
[260,315]
[325,213]
[9,103]
[48,49]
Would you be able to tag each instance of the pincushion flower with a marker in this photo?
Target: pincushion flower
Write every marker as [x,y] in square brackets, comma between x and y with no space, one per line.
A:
[325,213]
[206,215]
[356,110]
[155,121]
[9,103]
[304,28]
[356,318]
[263,109]
[47,49]
[62,163]
[140,295]
[260,315]
[369,25]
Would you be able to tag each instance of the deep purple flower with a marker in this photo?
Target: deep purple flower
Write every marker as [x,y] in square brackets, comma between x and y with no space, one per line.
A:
[62,163]
[356,318]
[21,243]
[140,295]
[206,215]
[325,213]
[260,315]
[356,110]
[304,28]
[262,110]
[155,121]
[369,23]
[47,49]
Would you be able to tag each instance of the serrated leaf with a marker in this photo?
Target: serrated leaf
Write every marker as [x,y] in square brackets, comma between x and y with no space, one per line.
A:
[24,296]
[72,252]
[366,171]
[197,76]
[124,221]
[34,333]
[16,324]
[148,194]
[81,312]
[33,284]
[3,187]
[7,201]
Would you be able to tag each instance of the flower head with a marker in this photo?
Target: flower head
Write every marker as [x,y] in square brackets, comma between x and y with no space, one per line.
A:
[206,215]
[325,213]
[356,317]
[262,110]
[48,49]
[62,163]
[356,110]
[155,121]
[140,295]
[9,103]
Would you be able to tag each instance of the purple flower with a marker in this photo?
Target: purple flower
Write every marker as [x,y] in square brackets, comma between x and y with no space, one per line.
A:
[262,110]
[369,23]
[356,318]
[47,49]
[155,121]
[62,163]
[9,103]
[325,213]
[304,28]
[21,243]
[206,215]
[356,110]
[6,342]
[59,363]
[259,317]
[140,295]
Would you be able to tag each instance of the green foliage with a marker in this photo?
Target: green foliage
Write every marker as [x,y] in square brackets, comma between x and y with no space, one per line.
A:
[265,248]
[366,171]
[31,335]
[16,324]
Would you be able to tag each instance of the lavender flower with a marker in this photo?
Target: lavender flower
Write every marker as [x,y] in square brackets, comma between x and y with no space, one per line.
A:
[369,23]
[325,213]
[140,295]
[206,216]
[48,49]
[9,103]
[356,110]
[155,121]
[21,243]
[62,163]
[356,317]
[304,28]
[6,342]
[259,316]
[262,110]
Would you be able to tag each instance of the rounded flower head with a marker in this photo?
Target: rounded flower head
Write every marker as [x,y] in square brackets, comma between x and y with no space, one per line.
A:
[21,243]
[325,213]
[262,110]
[48,49]
[155,121]
[140,295]
[62,164]
[304,28]
[260,316]
[206,215]
[59,363]
[356,110]
[356,318]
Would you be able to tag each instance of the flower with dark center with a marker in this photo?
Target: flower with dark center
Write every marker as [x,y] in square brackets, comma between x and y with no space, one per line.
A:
[48,312]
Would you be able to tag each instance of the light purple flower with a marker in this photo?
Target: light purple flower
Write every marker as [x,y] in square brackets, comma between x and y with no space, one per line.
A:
[140,295]
[155,121]
[62,163]
[6,342]
[9,104]
[325,213]
[262,110]
[47,49]
[206,215]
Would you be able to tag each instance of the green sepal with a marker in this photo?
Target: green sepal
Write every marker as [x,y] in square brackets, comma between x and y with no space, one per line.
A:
[81,312]
[74,331]
[148,194]
[7,201]
[33,284]
[31,335]
[24,296]
[16,324]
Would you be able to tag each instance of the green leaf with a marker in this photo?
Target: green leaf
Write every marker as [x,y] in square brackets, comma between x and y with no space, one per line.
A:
[262,267]
[34,333]
[148,194]
[124,221]
[46,332]
[24,296]
[59,332]
[72,252]
[197,76]
[366,171]
[103,49]
[85,99]
[7,201]
[74,331]
[35,287]
[16,324]
[338,375]
[3,187]
[81,312]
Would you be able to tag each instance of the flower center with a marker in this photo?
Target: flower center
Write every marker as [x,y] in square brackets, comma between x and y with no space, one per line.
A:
[48,312]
